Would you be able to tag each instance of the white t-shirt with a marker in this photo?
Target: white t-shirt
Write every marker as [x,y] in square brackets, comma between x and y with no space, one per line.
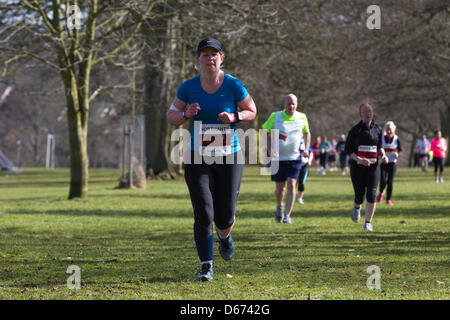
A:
[423,146]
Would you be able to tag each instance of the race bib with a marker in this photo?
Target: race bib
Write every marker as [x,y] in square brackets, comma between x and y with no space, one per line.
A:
[368,152]
[214,139]
[389,150]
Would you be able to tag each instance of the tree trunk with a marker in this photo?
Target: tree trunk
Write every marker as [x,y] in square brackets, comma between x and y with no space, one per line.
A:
[159,88]
[79,162]
[77,100]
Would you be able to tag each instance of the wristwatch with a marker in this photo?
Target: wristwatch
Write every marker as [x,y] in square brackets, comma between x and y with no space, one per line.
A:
[238,116]
[184,115]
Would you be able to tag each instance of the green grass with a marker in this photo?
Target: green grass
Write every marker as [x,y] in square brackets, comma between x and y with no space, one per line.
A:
[138,244]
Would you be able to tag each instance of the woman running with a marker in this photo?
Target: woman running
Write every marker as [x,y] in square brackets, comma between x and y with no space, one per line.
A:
[214,164]
[439,148]
[392,147]
[364,148]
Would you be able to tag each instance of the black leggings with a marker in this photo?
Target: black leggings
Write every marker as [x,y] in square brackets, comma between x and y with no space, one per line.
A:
[302,176]
[387,178]
[438,162]
[214,190]
[365,181]
[323,159]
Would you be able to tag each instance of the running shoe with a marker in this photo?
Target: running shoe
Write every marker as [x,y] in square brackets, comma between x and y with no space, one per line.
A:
[206,273]
[300,200]
[279,213]
[380,196]
[437,180]
[287,220]
[356,214]
[367,226]
[226,248]
[389,203]
[441,179]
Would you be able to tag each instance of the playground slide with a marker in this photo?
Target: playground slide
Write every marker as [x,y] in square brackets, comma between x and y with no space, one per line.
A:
[5,164]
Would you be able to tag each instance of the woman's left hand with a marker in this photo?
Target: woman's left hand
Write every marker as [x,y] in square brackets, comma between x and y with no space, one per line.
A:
[226,117]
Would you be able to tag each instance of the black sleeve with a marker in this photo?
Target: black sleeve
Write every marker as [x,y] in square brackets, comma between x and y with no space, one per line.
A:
[380,138]
[399,146]
[350,144]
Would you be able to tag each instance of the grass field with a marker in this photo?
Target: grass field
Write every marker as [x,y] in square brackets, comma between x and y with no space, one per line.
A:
[138,244]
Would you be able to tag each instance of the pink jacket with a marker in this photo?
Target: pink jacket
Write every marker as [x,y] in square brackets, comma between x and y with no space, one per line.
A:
[435,144]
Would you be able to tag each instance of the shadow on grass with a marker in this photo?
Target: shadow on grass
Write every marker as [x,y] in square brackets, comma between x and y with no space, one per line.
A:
[136,258]
[142,213]
[303,212]
[309,198]
[267,213]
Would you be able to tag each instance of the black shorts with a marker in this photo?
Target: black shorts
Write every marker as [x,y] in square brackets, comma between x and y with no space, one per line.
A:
[287,169]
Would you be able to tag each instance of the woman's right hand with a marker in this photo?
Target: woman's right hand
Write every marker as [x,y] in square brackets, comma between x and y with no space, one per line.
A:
[364,162]
[192,110]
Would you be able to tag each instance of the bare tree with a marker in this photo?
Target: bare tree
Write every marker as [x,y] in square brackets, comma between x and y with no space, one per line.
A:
[75,36]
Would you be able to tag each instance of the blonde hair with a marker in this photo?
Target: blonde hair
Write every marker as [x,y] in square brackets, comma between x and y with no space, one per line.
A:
[390,124]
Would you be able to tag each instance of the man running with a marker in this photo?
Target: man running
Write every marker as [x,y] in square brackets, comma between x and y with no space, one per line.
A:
[422,148]
[293,129]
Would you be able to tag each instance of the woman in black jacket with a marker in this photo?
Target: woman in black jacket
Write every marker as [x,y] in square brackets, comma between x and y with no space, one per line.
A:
[364,149]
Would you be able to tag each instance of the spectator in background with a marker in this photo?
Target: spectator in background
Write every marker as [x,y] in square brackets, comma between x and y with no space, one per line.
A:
[332,155]
[439,148]
[421,149]
[324,146]
[340,148]
[316,151]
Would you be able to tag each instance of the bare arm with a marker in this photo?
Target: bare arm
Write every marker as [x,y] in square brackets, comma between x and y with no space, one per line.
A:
[246,106]
[307,141]
[175,117]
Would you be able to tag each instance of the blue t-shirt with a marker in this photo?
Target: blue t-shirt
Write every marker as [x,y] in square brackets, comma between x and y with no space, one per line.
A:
[223,100]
